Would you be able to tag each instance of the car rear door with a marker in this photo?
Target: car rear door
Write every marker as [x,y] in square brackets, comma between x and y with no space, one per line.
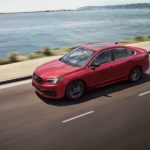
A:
[122,63]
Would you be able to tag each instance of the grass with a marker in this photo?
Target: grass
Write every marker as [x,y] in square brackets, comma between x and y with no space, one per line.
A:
[45,52]
[136,40]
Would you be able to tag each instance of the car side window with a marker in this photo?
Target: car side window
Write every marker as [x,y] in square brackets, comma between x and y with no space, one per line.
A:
[103,57]
[129,52]
[119,53]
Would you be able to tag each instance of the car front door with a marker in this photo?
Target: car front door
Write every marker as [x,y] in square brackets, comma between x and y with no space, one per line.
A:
[100,69]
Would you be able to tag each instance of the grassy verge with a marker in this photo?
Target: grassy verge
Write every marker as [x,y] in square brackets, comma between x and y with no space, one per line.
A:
[136,40]
[17,57]
[47,51]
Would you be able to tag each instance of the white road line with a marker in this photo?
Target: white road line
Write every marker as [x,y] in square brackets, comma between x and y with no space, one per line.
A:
[148,92]
[14,84]
[79,116]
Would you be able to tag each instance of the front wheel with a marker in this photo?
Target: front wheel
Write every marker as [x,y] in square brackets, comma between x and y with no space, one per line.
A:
[75,90]
[135,74]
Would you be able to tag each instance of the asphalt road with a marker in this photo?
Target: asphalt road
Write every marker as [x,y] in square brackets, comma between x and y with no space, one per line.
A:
[115,117]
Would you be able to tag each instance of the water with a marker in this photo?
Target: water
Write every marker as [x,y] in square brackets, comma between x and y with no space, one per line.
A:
[28,32]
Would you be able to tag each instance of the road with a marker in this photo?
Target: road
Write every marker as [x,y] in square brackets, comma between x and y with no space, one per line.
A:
[116,117]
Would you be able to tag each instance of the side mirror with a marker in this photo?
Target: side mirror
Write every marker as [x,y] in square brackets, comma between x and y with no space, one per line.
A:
[94,65]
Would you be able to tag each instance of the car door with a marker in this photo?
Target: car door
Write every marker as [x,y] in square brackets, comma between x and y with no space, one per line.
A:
[122,63]
[101,74]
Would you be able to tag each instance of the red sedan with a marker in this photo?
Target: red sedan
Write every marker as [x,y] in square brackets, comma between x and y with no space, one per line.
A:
[89,66]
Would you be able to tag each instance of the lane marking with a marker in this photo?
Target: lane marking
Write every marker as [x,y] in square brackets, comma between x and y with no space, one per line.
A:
[144,93]
[15,84]
[79,116]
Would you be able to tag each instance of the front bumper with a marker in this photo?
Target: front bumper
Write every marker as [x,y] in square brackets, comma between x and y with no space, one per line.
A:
[52,91]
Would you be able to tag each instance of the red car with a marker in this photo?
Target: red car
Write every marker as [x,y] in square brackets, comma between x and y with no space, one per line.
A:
[89,66]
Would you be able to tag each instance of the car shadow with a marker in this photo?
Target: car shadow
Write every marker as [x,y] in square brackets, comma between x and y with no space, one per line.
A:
[90,95]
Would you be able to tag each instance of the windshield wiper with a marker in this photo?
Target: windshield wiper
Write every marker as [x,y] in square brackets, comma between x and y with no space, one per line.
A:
[67,62]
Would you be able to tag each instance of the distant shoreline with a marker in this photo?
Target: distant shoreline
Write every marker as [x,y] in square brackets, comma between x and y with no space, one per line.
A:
[45,11]
[52,11]
[123,6]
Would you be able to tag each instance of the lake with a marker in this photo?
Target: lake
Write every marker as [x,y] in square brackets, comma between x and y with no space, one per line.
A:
[28,32]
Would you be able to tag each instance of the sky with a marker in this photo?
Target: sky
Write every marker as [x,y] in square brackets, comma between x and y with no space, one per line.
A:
[39,5]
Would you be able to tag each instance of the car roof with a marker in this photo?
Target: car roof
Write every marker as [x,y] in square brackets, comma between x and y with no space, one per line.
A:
[97,46]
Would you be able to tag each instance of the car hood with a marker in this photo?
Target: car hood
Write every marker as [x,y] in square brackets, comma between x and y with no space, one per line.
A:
[54,69]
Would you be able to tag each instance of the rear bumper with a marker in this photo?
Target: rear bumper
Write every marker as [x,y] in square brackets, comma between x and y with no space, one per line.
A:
[51,91]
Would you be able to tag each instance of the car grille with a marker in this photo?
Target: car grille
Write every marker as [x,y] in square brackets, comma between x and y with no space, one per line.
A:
[37,78]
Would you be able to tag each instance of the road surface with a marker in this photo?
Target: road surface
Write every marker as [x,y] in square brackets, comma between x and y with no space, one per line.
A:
[116,117]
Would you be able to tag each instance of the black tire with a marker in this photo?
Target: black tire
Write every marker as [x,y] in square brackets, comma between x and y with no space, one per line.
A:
[75,90]
[135,74]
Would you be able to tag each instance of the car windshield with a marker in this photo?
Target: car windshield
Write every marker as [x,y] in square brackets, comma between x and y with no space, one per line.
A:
[78,57]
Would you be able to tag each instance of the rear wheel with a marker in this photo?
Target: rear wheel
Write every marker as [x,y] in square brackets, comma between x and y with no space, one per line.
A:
[135,74]
[75,90]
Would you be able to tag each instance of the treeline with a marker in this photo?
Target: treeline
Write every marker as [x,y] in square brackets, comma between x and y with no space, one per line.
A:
[125,6]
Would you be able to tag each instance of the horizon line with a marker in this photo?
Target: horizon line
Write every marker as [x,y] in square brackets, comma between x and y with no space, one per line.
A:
[66,9]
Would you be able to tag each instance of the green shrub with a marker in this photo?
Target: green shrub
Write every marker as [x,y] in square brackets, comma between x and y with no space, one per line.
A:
[16,57]
[148,37]
[47,51]
[4,61]
[67,49]
[139,38]
[35,55]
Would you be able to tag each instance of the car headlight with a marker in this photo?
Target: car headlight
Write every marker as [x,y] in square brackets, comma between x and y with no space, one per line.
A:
[54,80]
